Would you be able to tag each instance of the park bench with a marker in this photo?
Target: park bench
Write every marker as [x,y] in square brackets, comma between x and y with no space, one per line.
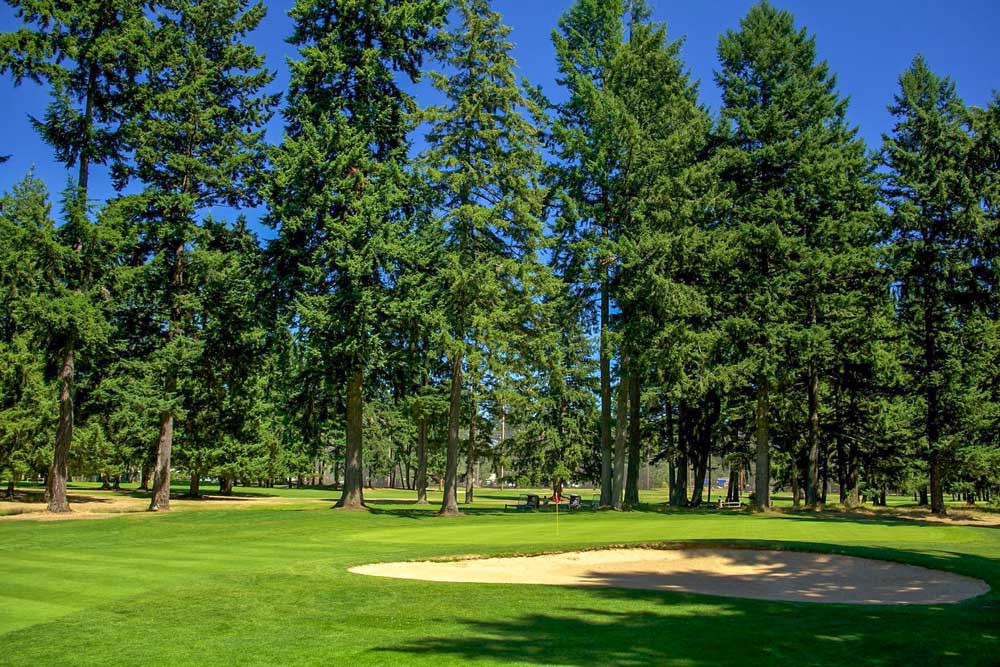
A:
[530,504]
[729,504]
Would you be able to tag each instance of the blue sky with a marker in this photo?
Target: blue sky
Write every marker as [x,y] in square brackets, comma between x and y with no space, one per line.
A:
[867,43]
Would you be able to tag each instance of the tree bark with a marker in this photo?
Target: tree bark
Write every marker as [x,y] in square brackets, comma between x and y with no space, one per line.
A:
[733,488]
[812,437]
[352,495]
[634,444]
[619,464]
[226,485]
[470,456]
[605,369]
[195,488]
[841,469]
[58,472]
[422,461]
[762,471]
[449,504]
[160,502]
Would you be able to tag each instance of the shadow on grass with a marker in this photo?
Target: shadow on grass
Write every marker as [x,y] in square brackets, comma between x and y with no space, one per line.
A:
[639,627]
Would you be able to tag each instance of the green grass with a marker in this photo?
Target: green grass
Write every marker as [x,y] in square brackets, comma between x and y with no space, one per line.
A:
[269,586]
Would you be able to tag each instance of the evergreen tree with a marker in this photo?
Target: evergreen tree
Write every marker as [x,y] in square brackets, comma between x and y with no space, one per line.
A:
[484,165]
[30,272]
[339,192]
[196,145]
[593,143]
[800,204]
[662,133]
[935,217]
[78,50]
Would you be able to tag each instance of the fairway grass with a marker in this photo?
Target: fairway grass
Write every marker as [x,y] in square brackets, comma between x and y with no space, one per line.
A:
[268,585]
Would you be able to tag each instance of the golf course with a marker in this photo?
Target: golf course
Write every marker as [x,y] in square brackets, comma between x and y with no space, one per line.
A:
[269,584]
[582,333]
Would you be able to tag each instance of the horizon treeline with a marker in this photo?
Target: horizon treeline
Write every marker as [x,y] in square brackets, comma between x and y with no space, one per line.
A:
[562,292]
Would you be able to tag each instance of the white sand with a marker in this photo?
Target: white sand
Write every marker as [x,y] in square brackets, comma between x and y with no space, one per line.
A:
[744,573]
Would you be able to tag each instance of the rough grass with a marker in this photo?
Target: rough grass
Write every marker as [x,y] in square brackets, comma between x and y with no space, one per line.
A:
[268,585]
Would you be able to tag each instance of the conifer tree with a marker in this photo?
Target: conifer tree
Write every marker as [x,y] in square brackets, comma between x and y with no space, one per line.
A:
[800,204]
[339,192]
[934,221]
[484,164]
[593,147]
[87,54]
[196,145]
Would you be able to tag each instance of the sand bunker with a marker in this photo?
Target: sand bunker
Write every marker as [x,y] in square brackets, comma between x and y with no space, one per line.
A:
[744,573]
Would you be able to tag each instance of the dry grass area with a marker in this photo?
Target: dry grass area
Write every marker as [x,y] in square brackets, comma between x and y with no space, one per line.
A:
[744,573]
[957,515]
[29,504]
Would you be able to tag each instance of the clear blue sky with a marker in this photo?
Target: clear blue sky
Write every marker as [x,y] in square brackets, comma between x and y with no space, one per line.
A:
[867,43]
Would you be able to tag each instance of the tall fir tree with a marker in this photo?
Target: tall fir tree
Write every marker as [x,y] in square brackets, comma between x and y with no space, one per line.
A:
[484,163]
[197,144]
[935,215]
[594,174]
[88,54]
[339,192]
[800,204]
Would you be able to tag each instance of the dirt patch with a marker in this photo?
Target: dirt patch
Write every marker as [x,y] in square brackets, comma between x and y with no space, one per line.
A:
[98,504]
[744,573]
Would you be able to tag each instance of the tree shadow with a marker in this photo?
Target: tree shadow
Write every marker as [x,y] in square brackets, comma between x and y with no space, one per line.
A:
[627,626]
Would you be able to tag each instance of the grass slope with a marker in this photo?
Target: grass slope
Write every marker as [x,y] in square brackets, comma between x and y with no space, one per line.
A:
[269,585]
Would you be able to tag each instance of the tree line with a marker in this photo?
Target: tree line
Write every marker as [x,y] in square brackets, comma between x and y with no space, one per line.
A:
[564,290]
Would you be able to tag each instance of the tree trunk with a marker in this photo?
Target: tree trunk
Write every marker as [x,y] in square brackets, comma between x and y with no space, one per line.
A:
[937,490]
[9,495]
[853,493]
[619,464]
[352,495]
[812,438]
[422,461]
[160,502]
[796,489]
[922,502]
[144,477]
[702,439]
[933,406]
[470,456]
[449,504]
[58,475]
[634,444]
[195,489]
[679,496]
[733,488]
[605,368]
[226,485]
[557,489]
[762,472]
[841,469]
